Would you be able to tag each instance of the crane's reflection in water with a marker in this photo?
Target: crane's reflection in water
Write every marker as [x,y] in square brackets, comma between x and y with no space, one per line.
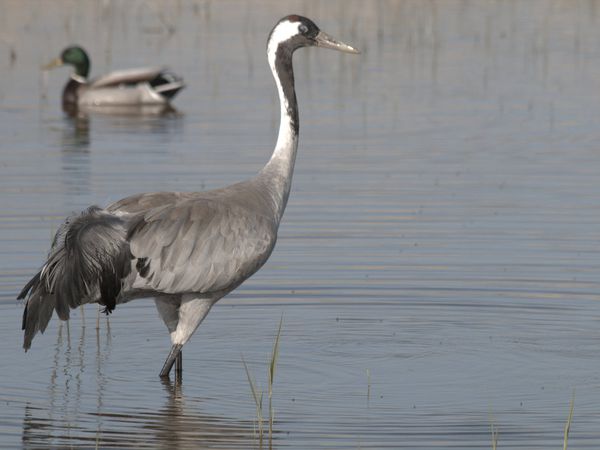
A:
[72,419]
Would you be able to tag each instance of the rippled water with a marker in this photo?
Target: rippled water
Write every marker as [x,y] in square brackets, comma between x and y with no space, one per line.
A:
[437,266]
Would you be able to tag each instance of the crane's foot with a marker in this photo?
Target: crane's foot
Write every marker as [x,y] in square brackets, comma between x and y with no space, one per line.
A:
[174,354]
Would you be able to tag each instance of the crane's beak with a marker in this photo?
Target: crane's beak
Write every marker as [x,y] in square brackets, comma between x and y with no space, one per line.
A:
[56,62]
[324,40]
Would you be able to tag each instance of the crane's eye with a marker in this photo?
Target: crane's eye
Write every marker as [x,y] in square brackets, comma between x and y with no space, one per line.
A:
[303,28]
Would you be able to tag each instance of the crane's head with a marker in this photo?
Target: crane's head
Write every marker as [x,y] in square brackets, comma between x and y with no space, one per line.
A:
[74,56]
[293,32]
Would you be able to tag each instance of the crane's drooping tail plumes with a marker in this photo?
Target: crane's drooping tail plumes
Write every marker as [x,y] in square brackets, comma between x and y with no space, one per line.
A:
[89,258]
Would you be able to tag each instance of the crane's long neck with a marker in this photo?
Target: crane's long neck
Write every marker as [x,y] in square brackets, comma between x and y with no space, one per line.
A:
[277,174]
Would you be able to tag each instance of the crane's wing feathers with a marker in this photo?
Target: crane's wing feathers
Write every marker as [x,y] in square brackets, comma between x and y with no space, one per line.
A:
[199,245]
[139,203]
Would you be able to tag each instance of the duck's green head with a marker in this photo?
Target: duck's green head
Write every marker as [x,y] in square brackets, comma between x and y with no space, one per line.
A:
[73,56]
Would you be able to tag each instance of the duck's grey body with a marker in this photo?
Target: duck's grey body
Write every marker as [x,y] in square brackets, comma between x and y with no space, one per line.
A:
[135,87]
[185,249]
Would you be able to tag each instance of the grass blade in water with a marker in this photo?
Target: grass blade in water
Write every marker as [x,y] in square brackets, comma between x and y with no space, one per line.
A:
[569,420]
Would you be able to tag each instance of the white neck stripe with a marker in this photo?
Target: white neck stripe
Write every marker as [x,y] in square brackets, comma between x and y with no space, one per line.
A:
[280,167]
[282,32]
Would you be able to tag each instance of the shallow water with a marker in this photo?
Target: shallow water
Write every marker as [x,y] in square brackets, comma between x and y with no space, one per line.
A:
[437,266]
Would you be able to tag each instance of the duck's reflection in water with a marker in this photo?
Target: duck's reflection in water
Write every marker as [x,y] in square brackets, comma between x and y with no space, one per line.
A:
[74,143]
[108,124]
[83,410]
[76,134]
[161,122]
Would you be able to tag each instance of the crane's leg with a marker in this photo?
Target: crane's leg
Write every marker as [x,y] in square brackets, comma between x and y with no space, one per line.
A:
[179,365]
[168,309]
[192,310]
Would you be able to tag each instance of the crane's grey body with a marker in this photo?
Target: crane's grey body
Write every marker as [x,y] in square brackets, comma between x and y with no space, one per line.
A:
[185,249]
[198,242]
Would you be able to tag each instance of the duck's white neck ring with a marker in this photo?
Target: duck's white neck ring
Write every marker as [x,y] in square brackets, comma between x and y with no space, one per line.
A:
[78,78]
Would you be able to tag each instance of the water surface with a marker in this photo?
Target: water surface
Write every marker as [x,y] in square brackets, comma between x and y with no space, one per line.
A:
[441,236]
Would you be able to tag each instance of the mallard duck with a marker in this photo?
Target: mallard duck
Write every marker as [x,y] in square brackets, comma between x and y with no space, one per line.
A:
[132,87]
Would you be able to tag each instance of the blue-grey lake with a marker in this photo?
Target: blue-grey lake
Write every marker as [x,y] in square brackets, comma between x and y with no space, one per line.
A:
[438,264]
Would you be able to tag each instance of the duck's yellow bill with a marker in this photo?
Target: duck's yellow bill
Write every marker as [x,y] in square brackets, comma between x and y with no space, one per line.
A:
[56,62]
